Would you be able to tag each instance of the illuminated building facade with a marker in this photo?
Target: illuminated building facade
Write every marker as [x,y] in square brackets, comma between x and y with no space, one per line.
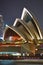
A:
[23,38]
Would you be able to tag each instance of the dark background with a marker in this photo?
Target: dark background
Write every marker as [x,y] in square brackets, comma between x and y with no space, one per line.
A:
[12,9]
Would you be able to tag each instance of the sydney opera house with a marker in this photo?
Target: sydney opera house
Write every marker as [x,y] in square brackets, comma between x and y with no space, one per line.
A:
[22,40]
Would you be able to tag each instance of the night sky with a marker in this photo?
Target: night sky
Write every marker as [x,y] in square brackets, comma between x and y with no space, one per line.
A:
[12,9]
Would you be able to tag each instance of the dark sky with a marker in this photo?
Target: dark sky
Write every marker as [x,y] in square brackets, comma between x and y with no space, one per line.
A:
[12,9]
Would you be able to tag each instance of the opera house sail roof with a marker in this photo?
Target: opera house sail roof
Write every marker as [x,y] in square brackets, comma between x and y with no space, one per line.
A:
[26,33]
